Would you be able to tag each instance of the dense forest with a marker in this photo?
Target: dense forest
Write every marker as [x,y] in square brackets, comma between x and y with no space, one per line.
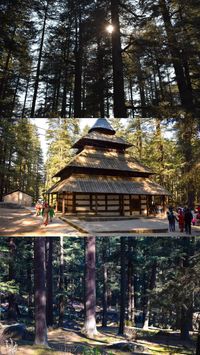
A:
[138,282]
[21,160]
[59,59]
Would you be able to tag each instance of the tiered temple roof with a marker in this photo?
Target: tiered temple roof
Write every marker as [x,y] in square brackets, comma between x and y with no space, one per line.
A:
[102,166]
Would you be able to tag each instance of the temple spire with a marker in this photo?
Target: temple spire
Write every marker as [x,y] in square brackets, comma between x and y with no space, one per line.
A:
[102,125]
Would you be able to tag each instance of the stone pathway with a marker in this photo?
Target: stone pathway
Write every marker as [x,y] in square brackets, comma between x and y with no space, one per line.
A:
[154,226]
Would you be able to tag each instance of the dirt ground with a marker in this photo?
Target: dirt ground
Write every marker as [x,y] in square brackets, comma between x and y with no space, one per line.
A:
[67,342]
[23,222]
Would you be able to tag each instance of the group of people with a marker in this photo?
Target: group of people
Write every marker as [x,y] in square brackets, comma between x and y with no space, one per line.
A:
[45,210]
[185,218]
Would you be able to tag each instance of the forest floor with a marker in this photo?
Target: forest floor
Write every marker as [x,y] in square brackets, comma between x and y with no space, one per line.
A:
[23,222]
[70,341]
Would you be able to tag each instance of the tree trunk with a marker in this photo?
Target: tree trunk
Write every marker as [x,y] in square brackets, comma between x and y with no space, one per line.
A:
[131,305]
[105,283]
[122,285]
[118,76]
[49,253]
[101,86]
[186,94]
[198,342]
[13,311]
[40,292]
[90,288]
[152,284]
[25,98]
[187,308]
[61,284]
[39,62]
[78,70]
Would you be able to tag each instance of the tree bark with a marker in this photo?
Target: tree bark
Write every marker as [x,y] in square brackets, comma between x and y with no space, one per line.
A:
[122,285]
[78,69]
[105,283]
[13,311]
[61,284]
[118,76]
[187,308]
[186,94]
[148,301]
[40,292]
[90,288]
[39,61]
[198,342]
[49,307]
[131,291]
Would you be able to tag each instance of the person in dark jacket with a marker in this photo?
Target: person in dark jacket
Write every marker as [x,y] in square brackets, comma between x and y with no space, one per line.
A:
[171,218]
[188,220]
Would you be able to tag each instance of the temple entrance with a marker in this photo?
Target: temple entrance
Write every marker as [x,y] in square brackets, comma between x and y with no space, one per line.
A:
[135,205]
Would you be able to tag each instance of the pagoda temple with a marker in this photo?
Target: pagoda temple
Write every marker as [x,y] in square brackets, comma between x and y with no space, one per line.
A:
[103,180]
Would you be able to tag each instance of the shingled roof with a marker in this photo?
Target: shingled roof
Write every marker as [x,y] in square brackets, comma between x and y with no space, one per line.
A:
[91,158]
[102,125]
[100,139]
[111,186]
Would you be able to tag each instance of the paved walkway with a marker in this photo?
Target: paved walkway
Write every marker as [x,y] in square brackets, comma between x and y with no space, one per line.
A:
[23,222]
[142,226]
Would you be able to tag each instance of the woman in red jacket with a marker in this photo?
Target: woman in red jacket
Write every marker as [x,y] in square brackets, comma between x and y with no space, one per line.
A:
[181,220]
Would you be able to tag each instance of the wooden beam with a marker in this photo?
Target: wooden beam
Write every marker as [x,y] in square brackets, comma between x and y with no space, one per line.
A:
[121,204]
[164,204]
[74,202]
[63,203]
[56,210]
[130,205]
[96,205]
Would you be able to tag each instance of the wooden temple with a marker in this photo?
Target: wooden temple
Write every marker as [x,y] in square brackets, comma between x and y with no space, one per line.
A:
[103,180]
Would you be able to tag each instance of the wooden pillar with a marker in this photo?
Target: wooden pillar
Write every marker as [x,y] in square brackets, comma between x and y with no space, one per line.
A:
[52,199]
[96,205]
[74,202]
[90,202]
[147,201]
[164,204]
[140,205]
[57,202]
[63,203]
[106,202]
[121,204]
[48,199]
[130,209]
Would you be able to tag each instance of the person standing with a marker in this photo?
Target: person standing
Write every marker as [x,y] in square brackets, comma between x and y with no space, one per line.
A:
[188,220]
[45,213]
[181,220]
[171,218]
[51,213]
